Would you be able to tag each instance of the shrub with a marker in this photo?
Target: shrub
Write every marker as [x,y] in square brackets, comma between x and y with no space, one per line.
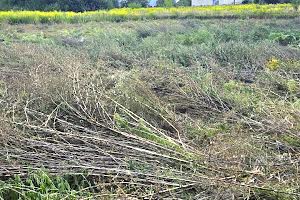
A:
[196,37]
[285,38]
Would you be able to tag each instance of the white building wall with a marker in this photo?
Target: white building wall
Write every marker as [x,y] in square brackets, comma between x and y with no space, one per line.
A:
[228,2]
[151,3]
[211,2]
[202,2]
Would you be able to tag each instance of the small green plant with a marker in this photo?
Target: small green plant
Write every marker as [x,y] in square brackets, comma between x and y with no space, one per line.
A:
[231,85]
[38,185]
[202,133]
[270,195]
[291,140]
[36,38]
[292,85]
[120,121]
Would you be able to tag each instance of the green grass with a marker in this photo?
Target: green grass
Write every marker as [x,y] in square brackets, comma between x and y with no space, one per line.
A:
[41,185]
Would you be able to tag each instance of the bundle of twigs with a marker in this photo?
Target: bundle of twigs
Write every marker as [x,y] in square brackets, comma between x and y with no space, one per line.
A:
[71,140]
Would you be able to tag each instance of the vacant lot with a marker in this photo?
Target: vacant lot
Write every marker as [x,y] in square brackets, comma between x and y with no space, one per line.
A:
[184,108]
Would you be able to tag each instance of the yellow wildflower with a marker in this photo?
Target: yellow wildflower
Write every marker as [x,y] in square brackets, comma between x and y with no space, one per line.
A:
[273,64]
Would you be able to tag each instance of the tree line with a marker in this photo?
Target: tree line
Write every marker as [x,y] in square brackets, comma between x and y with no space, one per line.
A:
[89,5]
[82,5]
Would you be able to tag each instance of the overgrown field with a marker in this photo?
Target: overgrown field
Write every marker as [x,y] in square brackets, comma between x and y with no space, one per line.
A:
[189,108]
[124,14]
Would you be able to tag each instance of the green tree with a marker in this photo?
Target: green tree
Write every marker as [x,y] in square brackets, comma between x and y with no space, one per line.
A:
[165,3]
[134,3]
[184,3]
[64,5]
